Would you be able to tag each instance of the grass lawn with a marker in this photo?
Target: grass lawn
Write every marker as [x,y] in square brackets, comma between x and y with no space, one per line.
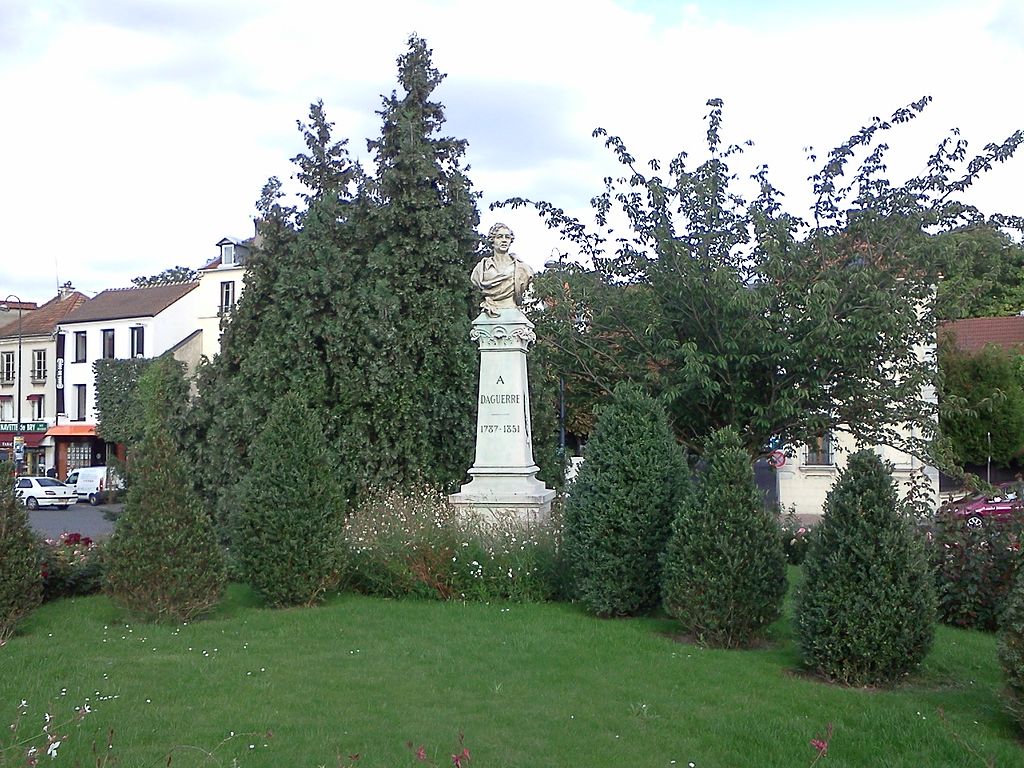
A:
[529,685]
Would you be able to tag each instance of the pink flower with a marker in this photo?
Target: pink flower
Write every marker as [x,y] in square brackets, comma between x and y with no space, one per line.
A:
[421,753]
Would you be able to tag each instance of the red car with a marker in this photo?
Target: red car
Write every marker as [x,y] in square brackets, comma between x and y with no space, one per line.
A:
[976,507]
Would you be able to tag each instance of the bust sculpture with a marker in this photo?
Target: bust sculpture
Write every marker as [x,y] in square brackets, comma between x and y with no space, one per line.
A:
[501,277]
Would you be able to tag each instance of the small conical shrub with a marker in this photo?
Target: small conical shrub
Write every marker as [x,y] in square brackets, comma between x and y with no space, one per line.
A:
[1011,649]
[287,529]
[21,582]
[163,561]
[865,613]
[725,567]
[621,505]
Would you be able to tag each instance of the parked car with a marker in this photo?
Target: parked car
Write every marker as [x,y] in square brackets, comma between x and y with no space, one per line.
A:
[35,492]
[93,484]
[974,508]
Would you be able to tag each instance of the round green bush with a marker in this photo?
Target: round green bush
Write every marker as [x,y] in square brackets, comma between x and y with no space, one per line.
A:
[621,505]
[286,530]
[725,569]
[865,613]
[21,584]
[1011,649]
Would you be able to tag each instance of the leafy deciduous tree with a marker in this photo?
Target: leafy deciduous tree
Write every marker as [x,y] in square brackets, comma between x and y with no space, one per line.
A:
[734,312]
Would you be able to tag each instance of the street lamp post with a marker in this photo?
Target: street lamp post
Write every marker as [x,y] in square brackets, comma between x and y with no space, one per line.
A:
[560,264]
[17,429]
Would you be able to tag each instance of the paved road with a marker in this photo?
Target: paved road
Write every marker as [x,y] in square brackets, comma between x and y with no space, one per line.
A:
[78,518]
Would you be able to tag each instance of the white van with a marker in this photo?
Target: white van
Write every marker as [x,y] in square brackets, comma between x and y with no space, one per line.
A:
[92,483]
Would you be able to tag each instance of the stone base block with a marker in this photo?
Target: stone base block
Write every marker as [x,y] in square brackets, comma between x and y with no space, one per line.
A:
[496,508]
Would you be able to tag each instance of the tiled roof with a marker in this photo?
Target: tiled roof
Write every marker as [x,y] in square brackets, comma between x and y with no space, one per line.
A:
[120,303]
[42,321]
[973,334]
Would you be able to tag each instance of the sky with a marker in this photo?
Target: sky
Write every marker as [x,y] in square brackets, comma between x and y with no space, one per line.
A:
[138,133]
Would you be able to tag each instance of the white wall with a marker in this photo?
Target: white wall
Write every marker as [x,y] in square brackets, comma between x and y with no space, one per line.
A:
[161,333]
[208,297]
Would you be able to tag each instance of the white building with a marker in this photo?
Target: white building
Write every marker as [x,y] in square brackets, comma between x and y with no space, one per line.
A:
[221,281]
[117,324]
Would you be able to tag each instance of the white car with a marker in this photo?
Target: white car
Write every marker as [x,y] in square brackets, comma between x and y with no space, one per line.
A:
[35,492]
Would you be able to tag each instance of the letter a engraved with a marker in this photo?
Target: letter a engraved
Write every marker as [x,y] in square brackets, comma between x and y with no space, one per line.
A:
[500,380]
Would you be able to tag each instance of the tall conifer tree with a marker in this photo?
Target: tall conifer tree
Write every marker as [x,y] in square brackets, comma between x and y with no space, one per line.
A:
[413,368]
[360,299]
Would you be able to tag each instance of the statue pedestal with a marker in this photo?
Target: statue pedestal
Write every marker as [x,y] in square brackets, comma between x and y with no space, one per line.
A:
[504,476]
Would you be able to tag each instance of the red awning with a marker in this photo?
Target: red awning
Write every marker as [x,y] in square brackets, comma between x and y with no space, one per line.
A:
[6,397]
[32,439]
[71,430]
[34,397]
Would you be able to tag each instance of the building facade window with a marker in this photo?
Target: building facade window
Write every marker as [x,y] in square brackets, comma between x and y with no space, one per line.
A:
[108,343]
[227,255]
[6,408]
[38,365]
[227,297]
[38,408]
[80,348]
[7,366]
[80,402]
[138,341]
[819,452]
[79,455]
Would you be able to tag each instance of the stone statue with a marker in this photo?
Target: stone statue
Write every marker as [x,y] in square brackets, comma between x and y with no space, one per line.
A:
[501,277]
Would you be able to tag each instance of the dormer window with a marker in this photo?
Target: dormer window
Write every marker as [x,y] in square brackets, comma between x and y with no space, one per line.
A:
[227,254]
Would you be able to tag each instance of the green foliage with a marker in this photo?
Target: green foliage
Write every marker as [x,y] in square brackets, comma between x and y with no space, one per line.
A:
[361,301]
[732,311]
[117,399]
[865,613]
[981,274]
[983,404]
[1011,649]
[286,530]
[725,569]
[71,566]
[21,587]
[163,561]
[975,567]
[620,511]
[796,537]
[177,274]
[411,542]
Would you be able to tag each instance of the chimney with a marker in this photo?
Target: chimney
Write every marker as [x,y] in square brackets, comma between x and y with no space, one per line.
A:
[65,290]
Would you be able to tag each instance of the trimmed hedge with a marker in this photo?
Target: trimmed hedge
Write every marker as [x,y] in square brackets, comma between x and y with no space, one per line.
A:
[286,530]
[725,568]
[620,509]
[21,585]
[865,613]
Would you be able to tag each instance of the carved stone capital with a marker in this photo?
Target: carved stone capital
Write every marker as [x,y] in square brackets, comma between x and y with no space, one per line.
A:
[491,336]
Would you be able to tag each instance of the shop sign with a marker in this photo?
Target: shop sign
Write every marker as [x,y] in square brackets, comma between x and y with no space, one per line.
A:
[25,426]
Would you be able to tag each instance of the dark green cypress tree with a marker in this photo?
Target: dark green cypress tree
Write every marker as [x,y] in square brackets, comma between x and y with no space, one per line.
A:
[620,509]
[360,300]
[287,531]
[279,337]
[725,569]
[163,560]
[865,613]
[409,392]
